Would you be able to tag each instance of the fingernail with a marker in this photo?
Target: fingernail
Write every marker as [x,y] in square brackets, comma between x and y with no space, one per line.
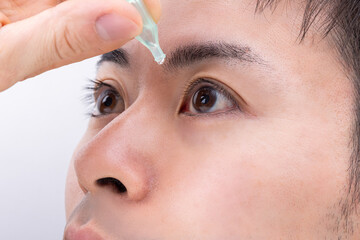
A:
[115,27]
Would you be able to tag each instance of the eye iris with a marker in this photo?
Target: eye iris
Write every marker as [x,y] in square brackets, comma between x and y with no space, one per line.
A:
[108,102]
[204,99]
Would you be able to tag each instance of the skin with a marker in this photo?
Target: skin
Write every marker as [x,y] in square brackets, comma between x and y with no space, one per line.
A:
[277,169]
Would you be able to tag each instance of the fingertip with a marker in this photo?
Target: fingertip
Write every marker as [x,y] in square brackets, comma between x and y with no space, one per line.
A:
[154,7]
[114,27]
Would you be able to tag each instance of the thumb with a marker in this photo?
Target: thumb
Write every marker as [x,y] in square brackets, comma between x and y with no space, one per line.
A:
[70,32]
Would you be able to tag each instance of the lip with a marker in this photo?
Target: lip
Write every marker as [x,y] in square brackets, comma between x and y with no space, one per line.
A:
[82,233]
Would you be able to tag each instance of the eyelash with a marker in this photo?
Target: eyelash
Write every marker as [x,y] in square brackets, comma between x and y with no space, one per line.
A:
[95,85]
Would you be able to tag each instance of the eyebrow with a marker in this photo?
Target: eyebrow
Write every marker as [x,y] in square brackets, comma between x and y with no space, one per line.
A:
[119,56]
[194,53]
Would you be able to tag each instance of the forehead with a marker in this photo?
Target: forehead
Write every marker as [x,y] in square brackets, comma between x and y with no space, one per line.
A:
[200,20]
[232,21]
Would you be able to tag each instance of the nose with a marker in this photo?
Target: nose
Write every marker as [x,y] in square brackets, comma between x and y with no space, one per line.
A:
[120,158]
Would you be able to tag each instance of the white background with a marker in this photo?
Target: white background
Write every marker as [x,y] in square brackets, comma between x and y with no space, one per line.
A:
[41,122]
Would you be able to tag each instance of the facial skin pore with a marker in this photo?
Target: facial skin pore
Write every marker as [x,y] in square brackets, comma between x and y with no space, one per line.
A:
[274,167]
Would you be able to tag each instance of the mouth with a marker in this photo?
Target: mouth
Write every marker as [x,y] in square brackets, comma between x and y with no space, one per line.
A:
[82,233]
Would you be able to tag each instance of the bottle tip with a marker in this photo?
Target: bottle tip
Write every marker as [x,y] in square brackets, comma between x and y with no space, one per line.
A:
[160,60]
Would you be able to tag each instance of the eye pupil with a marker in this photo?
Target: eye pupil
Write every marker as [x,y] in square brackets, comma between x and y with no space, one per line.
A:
[204,99]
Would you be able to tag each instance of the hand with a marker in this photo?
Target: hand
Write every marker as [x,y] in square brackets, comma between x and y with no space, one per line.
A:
[39,35]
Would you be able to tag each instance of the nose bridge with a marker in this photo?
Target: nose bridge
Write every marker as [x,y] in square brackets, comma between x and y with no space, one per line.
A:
[124,150]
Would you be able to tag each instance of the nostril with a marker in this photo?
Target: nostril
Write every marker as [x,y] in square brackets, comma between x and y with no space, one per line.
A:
[113,183]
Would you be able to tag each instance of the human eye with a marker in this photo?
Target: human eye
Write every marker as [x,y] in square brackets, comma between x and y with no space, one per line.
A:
[204,96]
[104,99]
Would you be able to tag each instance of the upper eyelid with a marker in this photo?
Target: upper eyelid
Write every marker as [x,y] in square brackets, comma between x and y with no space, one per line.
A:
[99,84]
[95,85]
[189,88]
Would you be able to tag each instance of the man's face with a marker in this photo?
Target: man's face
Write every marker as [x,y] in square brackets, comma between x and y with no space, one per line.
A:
[243,133]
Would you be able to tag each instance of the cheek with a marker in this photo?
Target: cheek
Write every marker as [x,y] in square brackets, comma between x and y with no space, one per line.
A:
[288,172]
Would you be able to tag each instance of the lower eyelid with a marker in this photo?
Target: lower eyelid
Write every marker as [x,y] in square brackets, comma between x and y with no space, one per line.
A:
[231,113]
